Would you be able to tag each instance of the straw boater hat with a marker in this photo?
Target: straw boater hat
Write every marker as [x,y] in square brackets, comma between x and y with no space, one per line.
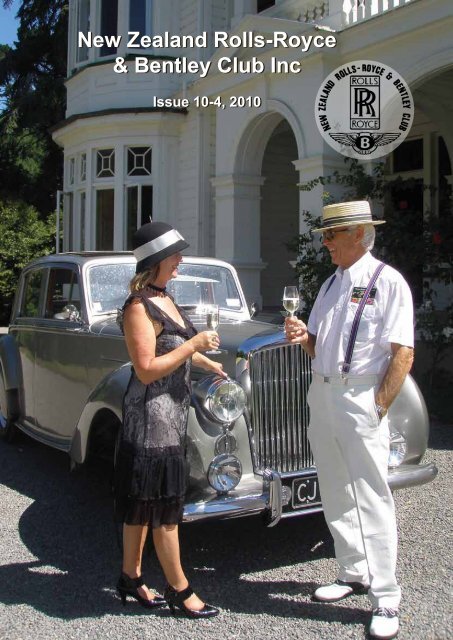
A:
[346,214]
[155,241]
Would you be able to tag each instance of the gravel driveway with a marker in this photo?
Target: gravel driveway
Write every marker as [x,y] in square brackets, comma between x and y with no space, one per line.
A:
[59,562]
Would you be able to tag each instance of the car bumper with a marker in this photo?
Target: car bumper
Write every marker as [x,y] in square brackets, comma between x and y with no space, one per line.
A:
[269,502]
[237,504]
[411,475]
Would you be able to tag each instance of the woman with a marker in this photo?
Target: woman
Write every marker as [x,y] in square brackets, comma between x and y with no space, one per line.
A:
[150,466]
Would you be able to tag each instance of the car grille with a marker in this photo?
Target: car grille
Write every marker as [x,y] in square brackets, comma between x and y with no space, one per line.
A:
[280,377]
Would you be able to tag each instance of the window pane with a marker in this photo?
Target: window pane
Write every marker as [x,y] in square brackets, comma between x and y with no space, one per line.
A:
[105,163]
[137,16]
[108,285]
[197,285]
[71,170]
[265,4]
[139,161]
[83,167]
[109,23]
[131,220]
[82,220]
[63,290]
[408,156]
[69,221]
[147,205]
[83,25]
[32,290]
[139,207]
[104,219]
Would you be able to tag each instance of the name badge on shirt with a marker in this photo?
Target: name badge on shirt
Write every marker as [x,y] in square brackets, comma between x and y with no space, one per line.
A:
[359,292]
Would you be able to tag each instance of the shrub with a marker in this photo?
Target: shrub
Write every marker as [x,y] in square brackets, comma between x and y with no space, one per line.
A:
[23,236]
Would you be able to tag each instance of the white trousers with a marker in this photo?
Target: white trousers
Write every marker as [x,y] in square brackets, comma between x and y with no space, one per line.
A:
[351,449]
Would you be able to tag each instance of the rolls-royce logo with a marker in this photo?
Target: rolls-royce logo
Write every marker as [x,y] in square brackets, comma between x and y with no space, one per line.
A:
[364,109]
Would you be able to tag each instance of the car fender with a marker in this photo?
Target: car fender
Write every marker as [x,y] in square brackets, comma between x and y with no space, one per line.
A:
[108,395]
[409,416]
[10,363]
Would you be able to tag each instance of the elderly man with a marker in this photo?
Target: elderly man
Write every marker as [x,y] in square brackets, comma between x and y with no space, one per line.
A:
[360,336]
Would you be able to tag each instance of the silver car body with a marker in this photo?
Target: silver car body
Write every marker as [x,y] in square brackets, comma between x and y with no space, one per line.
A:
[62,381]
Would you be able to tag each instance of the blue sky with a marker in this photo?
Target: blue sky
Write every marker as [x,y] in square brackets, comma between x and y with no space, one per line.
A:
[8,23]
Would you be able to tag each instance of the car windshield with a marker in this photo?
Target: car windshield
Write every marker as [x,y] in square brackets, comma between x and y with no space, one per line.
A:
[195,286]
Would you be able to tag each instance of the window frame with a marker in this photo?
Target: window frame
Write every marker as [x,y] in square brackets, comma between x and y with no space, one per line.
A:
[18,308]
[75,271]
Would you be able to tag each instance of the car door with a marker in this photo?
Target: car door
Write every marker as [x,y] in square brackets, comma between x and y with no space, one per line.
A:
[60,377]
[23,328]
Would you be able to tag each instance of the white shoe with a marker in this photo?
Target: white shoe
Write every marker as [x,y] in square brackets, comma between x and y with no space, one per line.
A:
[384,623]
[339,590]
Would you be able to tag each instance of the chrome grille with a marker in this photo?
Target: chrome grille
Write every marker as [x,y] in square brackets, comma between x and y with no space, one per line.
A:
[280,377]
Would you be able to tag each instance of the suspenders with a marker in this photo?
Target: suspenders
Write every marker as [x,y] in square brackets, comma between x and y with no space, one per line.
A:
[358,314]
[355,324]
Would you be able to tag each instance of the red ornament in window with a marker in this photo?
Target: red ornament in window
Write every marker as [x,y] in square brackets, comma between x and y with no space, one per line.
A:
[403,204]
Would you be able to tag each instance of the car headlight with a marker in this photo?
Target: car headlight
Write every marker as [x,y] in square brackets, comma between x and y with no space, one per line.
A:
[222,400]
[226,400]
[398,449]
[224,473]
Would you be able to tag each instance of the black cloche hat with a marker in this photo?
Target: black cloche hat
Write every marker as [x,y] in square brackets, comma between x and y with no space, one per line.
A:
[155,241]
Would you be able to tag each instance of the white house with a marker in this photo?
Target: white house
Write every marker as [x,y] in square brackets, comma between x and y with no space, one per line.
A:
[228,178]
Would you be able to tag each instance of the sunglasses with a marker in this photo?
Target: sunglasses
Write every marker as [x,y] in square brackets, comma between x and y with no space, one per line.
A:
[330,235]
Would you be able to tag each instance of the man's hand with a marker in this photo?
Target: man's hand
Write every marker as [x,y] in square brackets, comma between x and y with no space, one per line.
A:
[395,375]
[296,330]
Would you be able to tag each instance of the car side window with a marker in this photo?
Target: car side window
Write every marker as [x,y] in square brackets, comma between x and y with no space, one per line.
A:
[63,290]
[29,307]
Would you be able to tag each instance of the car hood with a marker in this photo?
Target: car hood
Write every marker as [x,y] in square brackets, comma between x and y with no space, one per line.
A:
[237,338]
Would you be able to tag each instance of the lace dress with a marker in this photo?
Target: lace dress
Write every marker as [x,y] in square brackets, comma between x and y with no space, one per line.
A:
[150,465]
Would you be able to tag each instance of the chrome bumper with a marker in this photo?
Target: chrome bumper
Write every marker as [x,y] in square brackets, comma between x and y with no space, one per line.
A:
[268,503]
[411,475]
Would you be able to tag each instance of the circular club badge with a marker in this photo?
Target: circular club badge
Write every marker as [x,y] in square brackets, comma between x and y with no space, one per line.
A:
[364,109]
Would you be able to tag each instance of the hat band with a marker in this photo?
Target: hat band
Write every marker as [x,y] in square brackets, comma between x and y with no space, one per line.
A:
[158,244]
[354,218]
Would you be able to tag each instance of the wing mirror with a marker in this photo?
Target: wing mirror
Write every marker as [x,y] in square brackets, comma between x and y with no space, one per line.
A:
[70,312]
[254,309]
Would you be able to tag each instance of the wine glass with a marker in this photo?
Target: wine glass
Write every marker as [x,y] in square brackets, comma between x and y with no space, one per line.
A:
[291,299]
[212,321]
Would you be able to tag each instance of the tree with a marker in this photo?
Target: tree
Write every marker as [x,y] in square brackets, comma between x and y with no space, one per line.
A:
[405,243]
[32,88]
[23,236]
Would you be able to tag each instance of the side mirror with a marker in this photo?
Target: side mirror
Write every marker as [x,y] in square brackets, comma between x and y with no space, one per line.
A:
[254,309]
[71,313]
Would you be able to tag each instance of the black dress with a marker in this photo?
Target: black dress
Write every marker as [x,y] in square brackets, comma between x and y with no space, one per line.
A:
[150,465]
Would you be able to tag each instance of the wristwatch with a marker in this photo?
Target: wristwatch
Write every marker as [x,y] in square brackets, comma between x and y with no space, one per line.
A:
[380,410]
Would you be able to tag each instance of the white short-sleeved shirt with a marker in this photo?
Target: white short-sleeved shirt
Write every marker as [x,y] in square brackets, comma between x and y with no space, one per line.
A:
[387,317]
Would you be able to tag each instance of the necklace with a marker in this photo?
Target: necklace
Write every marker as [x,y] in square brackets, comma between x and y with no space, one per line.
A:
[162,290]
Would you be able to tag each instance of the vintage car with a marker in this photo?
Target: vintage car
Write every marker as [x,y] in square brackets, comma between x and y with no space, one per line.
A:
[64,370]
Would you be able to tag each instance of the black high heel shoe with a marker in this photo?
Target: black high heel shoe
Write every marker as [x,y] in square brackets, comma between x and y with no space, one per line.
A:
[129,587]
[176,599]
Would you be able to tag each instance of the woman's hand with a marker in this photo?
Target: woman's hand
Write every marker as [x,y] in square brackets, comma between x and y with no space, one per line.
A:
[205,340]
[296,330]
[216,367]
[200,360]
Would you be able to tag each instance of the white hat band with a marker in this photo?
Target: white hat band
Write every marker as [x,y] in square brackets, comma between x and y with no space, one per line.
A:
[156,245]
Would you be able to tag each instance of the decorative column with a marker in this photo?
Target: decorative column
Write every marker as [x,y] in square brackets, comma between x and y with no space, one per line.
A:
[237,228]
[241,9]
[310,169]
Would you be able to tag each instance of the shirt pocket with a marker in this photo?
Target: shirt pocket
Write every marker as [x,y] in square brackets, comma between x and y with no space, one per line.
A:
[369,322]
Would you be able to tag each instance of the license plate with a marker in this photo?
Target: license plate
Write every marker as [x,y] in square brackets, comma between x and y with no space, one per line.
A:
[305,492]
